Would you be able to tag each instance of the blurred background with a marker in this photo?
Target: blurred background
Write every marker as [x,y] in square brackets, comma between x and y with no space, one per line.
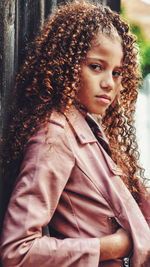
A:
[21,19]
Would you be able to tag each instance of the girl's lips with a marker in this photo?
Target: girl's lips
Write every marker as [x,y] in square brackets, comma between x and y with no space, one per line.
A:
[104,98]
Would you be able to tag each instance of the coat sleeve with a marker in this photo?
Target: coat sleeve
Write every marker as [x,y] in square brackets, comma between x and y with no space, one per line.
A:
[44,173]
[145,203]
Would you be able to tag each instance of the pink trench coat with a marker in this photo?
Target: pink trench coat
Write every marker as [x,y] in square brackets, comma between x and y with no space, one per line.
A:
[70,182]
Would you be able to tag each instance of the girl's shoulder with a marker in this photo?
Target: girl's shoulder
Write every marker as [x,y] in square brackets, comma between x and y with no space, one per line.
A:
[49,137]
[51,129]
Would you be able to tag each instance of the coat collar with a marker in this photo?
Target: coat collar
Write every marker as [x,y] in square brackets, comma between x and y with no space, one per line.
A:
[81,127]
[77,122]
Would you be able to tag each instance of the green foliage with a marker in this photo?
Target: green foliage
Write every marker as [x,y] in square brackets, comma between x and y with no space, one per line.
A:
[146,60]
[144,46]
[142,41]
[137,30]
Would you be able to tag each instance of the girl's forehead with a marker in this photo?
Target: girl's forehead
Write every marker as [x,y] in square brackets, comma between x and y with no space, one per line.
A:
[111,35]
[106,47]
[112,41]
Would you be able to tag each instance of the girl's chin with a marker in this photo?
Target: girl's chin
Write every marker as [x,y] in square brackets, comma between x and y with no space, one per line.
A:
[98,112]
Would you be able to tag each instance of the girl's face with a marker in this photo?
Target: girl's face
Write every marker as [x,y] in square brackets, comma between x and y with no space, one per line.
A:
[101,74]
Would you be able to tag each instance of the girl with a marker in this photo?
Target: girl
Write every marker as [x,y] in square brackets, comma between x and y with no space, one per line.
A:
[85,194]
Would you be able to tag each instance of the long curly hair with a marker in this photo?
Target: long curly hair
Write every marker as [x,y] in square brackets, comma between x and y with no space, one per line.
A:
[50,76]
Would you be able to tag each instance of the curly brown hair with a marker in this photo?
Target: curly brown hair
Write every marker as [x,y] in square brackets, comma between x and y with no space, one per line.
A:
[49,79]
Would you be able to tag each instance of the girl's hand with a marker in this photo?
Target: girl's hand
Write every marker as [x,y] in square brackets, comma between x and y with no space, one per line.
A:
[115,246]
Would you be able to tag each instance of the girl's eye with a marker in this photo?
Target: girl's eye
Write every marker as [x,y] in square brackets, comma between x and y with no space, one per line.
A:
[117,73]
[96,67]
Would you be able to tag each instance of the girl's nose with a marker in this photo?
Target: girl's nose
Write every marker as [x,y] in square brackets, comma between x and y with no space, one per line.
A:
[107,82]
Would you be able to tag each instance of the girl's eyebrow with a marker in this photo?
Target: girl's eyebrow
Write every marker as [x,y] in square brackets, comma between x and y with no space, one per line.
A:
[95,58]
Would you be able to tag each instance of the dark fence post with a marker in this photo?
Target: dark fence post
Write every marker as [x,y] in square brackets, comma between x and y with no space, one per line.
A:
[20,21]
[8,56]
[114,5]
